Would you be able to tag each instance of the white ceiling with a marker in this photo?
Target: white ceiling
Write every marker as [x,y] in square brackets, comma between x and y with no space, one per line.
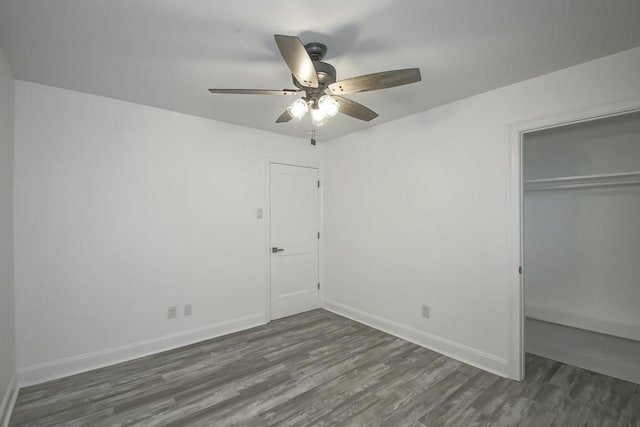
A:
[166,53]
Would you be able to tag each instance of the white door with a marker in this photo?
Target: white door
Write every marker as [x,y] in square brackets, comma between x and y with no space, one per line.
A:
[294,240]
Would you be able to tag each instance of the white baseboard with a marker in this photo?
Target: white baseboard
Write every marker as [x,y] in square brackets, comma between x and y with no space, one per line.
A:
[40,373]
[603,353]
[9,399]
[589,362]
[622,330]
[461,352]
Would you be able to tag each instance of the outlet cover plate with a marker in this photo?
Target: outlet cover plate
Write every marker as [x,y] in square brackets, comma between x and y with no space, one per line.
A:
[425,311]
[172,312]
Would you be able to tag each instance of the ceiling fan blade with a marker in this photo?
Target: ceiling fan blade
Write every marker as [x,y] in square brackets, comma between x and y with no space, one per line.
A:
[256,91]
[297,59]
[284,117]
[375,81]
[355,110]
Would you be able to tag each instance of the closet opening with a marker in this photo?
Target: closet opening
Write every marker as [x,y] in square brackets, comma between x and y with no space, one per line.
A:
[580,248]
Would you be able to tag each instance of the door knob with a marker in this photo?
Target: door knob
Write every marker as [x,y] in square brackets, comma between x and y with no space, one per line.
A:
[274,250]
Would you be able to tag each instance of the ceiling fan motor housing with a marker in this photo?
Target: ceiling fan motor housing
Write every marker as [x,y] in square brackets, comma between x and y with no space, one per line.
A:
[326,75]
[326,72]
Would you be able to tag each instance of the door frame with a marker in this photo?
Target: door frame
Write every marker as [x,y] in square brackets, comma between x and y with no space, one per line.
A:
[516,212]
[267,228]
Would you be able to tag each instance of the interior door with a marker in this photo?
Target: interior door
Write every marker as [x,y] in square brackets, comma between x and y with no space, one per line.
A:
[294,239]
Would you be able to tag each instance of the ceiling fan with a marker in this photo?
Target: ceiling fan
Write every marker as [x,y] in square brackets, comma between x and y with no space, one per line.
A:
[317,79]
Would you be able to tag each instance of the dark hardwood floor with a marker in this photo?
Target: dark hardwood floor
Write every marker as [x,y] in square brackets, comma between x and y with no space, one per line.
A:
[320,369]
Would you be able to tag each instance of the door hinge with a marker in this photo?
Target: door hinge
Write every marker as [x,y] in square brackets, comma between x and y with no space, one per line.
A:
[318,286]
[520,270]
[318,234]
[318,184]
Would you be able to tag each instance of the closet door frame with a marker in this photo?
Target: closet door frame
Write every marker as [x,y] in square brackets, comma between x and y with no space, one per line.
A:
[516,223]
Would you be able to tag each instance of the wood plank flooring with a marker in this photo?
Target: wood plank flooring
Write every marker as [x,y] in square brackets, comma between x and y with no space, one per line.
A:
[320,369]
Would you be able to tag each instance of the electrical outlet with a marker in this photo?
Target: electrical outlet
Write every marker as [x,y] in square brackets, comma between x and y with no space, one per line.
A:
[187,309]
[172,312]
[425,311]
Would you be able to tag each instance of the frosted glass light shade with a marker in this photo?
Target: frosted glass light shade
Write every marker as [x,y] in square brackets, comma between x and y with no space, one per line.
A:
[298,109]
[328,105]
[318,117]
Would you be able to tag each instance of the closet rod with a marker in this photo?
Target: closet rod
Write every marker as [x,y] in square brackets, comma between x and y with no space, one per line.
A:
[583,181]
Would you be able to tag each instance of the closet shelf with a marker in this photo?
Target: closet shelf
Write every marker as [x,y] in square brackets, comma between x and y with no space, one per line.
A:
[584,181]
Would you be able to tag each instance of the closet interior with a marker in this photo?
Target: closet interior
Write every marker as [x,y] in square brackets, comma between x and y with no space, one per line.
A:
[581,241]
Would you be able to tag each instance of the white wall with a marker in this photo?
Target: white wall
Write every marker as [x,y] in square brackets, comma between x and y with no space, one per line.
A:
[122,210]
[417,211]
[7,337]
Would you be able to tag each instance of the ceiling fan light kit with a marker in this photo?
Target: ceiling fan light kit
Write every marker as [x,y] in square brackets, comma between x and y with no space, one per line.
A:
[321,111]
[328,105]
[317,79]
[318,117]
[298,109]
